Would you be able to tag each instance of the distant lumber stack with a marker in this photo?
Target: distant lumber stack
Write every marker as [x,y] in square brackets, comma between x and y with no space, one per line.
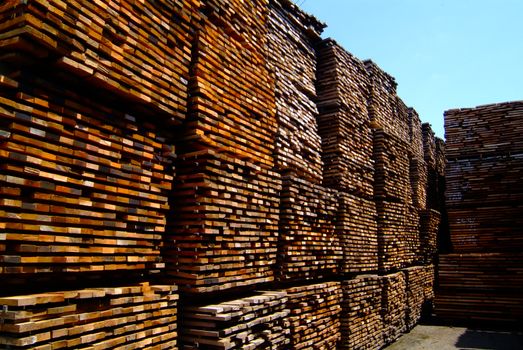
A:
[479,281]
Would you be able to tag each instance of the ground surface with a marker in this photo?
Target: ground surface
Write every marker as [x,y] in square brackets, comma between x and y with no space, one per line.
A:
[433,337]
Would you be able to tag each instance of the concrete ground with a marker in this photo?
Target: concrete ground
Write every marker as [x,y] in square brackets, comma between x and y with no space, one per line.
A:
[435,337]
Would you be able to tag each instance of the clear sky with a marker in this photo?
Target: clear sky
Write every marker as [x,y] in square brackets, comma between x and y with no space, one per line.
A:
[443,53]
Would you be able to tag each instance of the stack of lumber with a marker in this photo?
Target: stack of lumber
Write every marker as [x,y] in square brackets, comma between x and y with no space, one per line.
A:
[255,322]
[481,279]
[481,286]
[398,235]
[394,306]
[309,247]
[224,232]
[484,130]
[84,185]
[386,110]
[344,123]
[434,194]
[232,107]
[139,50]
[315,315]
[358,232]
[414,277]
[293,61]
[245,20]
[430,220]
[484,190]
[134,317]
[429,282]
[441,157]
[429,145]
[391,178]
[361,319]
[418,166]
[416,135]
[419,182]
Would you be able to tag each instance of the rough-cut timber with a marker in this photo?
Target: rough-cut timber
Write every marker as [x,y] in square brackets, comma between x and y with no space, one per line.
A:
[386,110]
[139,50]
[357,230]
[232,107]
[416,134]
[430,220]
[314,315]
[224,229]
[293,61]
[308,247]
[255,322]
[391,177]
[414,277]
[130,317]
[481,286]
[418,182]
[398,235]
[485,130]
[361,319]
[394,306]
[344,123]
[481,279]
[84,185]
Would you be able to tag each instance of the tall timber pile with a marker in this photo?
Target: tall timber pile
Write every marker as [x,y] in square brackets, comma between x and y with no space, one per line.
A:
[213,168]
[481,278]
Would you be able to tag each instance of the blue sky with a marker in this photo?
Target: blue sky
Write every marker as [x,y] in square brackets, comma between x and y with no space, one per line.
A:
[443,53]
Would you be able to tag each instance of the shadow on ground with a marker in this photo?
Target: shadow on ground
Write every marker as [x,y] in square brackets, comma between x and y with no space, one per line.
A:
[490,340]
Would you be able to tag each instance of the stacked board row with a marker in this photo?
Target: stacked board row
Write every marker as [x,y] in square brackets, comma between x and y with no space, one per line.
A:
[84,185]
[481,280]
[480,287]
[376,310]
[344,123]
[224,228]
[315,315]
[298,144]
[138,50]
[254,322]
[131,317]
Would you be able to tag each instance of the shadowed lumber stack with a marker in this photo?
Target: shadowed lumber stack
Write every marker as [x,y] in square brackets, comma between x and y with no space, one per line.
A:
[224,232]
[232,99]
[358,232]
[486,229]
[314,315]
[292,58]
[394,306]
[84,185]
[429,145]
[255,322]
[429,281]
[308,247]
[361,320]
[429,224]
[134,317]
[344,123]
[414,277]
[398,235]
[391,177]
[481,286]
[139,50]
[435,184]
